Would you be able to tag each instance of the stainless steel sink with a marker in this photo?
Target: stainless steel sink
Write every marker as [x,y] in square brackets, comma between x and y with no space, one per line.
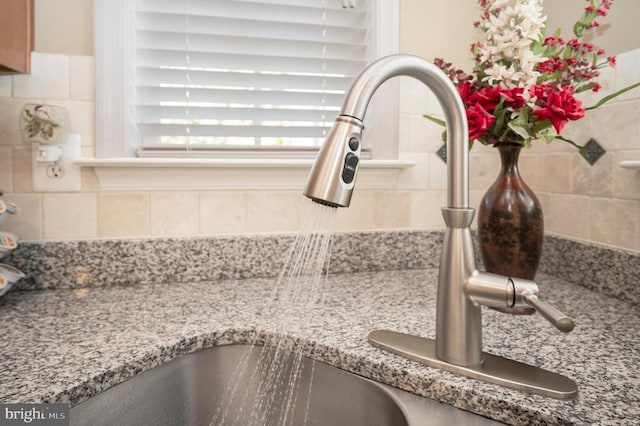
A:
[189,390]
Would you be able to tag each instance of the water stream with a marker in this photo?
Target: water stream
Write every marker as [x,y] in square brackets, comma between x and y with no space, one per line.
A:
[270,393]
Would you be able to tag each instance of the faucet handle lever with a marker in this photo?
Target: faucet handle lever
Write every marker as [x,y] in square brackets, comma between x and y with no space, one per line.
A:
[560,321]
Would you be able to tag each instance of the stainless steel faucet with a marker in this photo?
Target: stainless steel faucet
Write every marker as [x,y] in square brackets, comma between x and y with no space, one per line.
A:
[462,289]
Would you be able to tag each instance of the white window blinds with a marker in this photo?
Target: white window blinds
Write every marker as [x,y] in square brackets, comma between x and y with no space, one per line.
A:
[229,73]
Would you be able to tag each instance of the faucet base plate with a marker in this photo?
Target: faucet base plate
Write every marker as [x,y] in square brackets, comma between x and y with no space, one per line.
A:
[494,369]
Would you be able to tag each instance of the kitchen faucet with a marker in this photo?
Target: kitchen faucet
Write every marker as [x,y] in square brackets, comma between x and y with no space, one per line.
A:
[462,289]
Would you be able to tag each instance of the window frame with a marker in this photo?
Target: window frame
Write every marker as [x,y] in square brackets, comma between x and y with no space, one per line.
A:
[116,133]
[117,167]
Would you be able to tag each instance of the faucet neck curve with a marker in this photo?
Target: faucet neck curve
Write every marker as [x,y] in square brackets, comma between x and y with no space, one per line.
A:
[362,90]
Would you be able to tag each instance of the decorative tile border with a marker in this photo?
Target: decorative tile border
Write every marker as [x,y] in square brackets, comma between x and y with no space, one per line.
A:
[75,264]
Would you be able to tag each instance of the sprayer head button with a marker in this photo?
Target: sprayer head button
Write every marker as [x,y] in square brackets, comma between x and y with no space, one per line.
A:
[349,171]
[354,144]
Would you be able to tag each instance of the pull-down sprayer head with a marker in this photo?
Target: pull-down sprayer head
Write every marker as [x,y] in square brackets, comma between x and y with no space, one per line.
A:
[333,175]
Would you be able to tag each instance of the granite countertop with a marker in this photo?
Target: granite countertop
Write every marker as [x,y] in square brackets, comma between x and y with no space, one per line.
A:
[66,345]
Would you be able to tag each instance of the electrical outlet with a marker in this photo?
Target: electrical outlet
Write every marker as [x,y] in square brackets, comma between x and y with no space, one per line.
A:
[61,176]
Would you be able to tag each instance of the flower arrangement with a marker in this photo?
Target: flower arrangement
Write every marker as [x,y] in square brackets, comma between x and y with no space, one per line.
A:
[524,82]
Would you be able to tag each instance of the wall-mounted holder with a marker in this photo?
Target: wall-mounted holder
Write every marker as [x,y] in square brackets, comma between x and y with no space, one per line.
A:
[46,129]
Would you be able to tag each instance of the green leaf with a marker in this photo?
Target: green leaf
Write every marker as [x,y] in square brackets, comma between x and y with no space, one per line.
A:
[435,120]
[539,126]
[569,141]
[519,130]
[578,29]
[498,126]
[547,135]
[613,95]
[586,87]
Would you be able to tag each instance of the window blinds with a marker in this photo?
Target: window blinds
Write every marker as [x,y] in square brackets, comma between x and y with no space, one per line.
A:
[213,73]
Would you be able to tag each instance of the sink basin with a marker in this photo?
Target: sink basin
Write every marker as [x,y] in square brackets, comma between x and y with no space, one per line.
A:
[189,390]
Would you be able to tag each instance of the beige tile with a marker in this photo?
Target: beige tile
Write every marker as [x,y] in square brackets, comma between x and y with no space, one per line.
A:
[10,121]
[528,167]
[5,85]
[123,214]
[49,78]
[403,132]
[6,169]
[416,177]
[554,173]
[615,125]
[628,72]
[475,197]
[424,135]
[174,213]
[626,182]
[361,214]
[426,209]
[275,211]
[414,98]
[27,223]
[545,199]
[437,173]
[22,175]
[223,212]
[393,209]
[596,180]
[615,222]
[567,215]
[70,216]
[577,131]
[483,169]
[607,81]
[81,76]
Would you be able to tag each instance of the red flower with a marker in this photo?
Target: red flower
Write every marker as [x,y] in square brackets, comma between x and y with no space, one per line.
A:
[464,90]
[513,97]
[559,108]
[479,121]
[488,97]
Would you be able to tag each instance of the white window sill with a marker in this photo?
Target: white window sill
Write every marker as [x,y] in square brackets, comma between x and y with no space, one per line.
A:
[630,164]
[119,174]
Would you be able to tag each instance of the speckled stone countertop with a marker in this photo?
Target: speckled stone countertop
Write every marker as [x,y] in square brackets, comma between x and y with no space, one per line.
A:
[66,345]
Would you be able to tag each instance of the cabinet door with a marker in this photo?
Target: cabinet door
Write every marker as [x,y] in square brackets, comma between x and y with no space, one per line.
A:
[16,35]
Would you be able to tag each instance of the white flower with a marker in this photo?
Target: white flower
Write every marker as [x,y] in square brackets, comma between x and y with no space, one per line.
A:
[510,31]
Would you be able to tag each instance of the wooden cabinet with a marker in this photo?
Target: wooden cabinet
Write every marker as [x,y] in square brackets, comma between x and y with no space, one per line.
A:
[16,35]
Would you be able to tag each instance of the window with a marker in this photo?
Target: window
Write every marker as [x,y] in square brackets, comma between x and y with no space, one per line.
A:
[232,77]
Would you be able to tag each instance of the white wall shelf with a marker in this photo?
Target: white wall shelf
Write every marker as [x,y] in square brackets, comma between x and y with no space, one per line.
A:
[630,164]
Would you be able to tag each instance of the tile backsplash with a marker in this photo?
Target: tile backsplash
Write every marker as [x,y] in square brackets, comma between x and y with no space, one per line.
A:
[599,203]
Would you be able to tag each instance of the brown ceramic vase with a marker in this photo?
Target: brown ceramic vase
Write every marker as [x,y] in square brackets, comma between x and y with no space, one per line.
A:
[510,224]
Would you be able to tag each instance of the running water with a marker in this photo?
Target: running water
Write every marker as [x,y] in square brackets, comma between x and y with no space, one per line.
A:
[267,393]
